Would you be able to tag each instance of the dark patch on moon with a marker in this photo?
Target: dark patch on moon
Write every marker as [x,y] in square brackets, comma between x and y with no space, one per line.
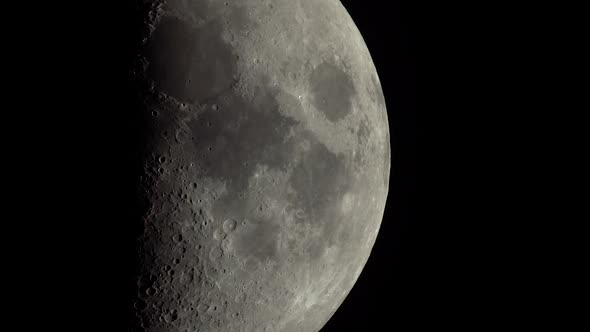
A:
[363,133]
[257,238]
[200,9]
[332,91]
[241,135]
[240,21]
[319,180]
[231,143]
[190,64]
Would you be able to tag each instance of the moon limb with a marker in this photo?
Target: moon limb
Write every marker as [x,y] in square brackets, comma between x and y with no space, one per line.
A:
[248,87]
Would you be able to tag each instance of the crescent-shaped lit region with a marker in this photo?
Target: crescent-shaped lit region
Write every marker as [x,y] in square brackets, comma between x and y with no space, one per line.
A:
[268,167]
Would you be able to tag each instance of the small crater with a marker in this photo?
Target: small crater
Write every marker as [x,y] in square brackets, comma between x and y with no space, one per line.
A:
[202,307]
[226,244]
[215,254]
[171,316]
[251,264]
[184,279]
[177,238]
[241,297]
[140,305]
[218,236]
[151,291]
[205,319]
[229,225]
[181,136]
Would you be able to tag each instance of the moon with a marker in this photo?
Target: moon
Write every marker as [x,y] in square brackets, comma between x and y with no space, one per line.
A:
[268,164]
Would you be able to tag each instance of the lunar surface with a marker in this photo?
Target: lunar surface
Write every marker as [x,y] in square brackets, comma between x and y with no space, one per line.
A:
[268,166]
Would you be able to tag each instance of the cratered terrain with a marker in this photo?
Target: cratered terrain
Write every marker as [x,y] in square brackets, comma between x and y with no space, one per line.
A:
[268,164]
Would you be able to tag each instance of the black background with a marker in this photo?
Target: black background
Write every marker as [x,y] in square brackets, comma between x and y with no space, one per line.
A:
[77,145]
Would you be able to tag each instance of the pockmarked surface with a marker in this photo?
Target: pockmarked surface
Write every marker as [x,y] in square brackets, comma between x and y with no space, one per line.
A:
[268,167]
